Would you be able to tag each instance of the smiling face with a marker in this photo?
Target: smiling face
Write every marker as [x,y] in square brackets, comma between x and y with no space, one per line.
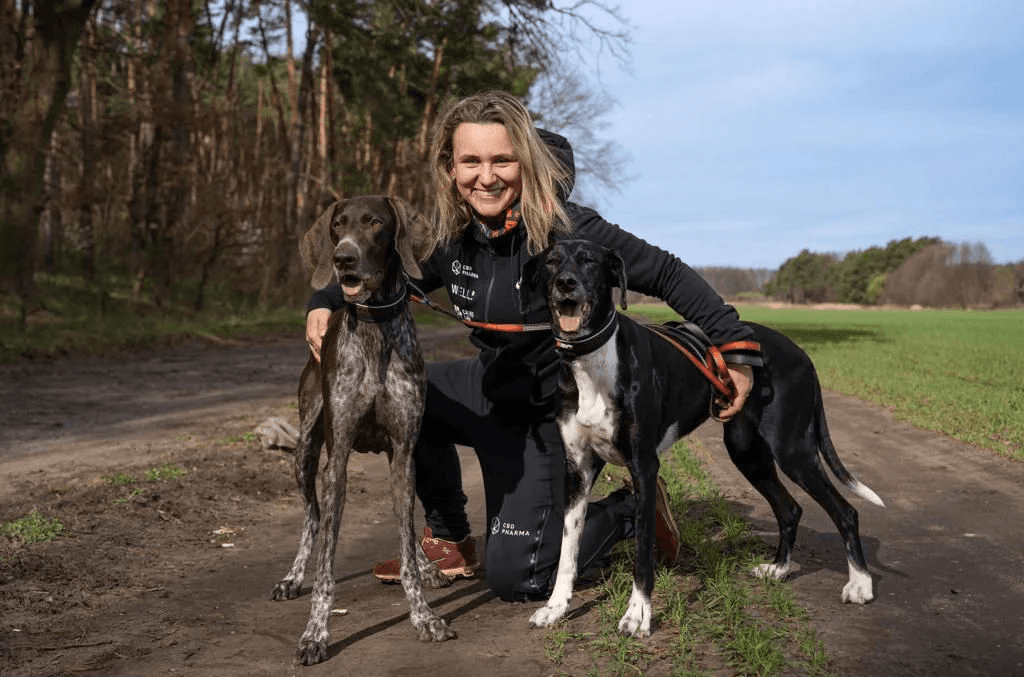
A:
[485,168]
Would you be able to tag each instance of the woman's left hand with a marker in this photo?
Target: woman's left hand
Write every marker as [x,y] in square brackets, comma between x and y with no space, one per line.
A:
[743,376]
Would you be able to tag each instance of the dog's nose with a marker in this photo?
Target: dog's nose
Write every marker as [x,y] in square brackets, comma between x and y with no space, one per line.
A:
[346,255]
[566,283]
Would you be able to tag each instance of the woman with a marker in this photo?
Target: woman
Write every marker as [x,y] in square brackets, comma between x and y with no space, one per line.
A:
[502,186]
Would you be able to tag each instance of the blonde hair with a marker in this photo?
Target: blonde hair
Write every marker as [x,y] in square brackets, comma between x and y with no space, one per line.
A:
[544,177]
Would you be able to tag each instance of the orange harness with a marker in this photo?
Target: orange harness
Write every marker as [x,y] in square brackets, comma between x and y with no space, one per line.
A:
[713,367]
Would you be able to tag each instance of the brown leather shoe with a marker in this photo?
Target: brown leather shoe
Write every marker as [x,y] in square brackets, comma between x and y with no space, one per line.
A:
[454,559]
[666,531]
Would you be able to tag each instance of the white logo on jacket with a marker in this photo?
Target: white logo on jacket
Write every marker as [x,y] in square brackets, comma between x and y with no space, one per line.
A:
[463,292]
[460,268]
[506,529]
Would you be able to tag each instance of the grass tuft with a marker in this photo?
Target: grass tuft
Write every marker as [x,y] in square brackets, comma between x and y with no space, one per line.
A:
[33,528]
[164,472]
[118,479]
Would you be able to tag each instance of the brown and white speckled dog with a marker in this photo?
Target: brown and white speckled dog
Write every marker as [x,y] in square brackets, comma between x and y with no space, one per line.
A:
[373,383]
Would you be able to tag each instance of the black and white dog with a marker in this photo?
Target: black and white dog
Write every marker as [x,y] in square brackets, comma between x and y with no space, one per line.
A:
[366,395]
[628,395]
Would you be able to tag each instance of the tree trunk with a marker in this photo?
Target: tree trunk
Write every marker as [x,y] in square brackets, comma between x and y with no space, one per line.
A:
[35,66]
[88,121]
[176,200]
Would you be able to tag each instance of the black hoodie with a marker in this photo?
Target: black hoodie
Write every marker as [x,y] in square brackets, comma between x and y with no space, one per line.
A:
[482,276]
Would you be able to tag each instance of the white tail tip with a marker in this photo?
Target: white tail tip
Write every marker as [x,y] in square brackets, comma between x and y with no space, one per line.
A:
[864,492]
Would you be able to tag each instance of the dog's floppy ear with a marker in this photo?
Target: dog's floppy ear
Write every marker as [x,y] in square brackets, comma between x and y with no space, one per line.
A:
[530,278]
[316,248]
[414,238]
[618,269]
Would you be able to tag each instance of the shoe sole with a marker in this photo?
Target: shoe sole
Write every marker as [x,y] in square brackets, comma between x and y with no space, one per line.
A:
[461,572]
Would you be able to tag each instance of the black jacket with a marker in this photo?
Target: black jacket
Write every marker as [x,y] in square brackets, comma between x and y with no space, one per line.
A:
[482,277]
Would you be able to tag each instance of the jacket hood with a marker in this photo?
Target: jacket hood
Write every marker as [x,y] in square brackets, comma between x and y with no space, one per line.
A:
[562,149]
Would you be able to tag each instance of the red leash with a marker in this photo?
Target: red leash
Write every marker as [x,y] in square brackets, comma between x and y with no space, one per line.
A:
[511,328]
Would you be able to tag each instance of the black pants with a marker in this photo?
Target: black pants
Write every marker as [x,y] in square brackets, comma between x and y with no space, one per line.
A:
[522,460]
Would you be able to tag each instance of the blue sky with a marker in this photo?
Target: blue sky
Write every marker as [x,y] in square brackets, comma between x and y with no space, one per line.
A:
[757,129]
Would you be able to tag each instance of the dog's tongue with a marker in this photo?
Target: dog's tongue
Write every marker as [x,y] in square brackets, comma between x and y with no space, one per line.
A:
[568,324]
[351,289]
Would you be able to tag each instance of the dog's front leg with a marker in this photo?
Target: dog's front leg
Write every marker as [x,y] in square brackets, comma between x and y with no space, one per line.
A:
[306,463]
[637,619]
[572,529]
[430,626]
[312,646]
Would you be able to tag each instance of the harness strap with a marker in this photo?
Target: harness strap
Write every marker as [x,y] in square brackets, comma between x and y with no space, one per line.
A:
[713,368]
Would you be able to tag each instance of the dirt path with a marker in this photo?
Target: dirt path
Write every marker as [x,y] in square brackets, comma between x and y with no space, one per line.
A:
[149,588]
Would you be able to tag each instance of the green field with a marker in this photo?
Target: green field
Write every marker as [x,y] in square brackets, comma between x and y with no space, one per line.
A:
[960,373]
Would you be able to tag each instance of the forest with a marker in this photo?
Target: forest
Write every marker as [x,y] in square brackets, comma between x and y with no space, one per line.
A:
[185,145]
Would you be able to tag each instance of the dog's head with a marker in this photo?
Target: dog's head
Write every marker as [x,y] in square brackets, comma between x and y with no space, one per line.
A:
[579,278]
[362,240]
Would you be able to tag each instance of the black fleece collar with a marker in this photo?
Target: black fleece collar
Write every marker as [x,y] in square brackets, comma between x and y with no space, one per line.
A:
[366,312]
[573,349]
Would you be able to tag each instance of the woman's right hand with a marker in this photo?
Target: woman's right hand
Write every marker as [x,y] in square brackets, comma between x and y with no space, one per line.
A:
[316,327]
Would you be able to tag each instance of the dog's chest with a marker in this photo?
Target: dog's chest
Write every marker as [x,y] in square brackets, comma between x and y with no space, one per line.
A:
[374,393]
[593,425]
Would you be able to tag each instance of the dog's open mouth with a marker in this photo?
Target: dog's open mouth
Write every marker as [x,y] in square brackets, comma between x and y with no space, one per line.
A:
[569,314]
[351,285]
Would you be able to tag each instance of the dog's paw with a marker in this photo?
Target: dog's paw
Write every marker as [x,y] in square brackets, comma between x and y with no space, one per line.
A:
[548,615]
[434,629]
[286,589]
[636,622]
[311,650]
[631,625]
[432,577]
[774,571]
[859,589]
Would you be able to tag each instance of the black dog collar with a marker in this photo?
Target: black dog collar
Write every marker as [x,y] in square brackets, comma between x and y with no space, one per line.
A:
[573,349]
[383,312]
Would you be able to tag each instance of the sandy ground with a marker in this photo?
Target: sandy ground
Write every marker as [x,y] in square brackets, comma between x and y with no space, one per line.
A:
[142,584]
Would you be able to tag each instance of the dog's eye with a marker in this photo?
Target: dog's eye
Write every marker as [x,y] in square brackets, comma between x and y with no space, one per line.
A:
[376,224]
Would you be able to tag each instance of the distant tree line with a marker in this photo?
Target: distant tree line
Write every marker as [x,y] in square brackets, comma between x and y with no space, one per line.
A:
[925,271]
[960,276]
[733,282]
[857,277]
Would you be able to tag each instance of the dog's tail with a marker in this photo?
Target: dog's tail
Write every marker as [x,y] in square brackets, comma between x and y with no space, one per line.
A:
[828,451]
